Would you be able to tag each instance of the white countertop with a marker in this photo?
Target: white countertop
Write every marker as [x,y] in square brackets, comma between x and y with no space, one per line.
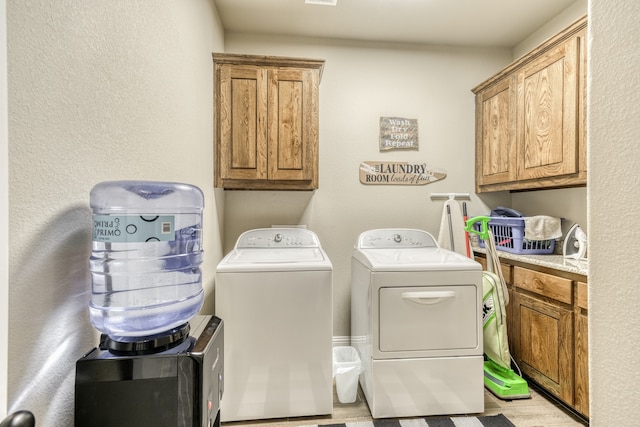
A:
[557,262]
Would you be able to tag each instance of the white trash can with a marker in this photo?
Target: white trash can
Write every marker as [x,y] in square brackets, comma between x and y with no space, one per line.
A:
[346,370]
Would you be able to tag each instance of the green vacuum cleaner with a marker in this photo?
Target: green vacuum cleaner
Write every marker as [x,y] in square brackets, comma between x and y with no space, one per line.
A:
[499,378]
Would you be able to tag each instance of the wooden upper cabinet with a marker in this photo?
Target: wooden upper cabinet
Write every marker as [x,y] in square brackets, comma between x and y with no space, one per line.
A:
[547,123]
[496,142]
[266,122]
[293,125]
[530,131]
[242,113]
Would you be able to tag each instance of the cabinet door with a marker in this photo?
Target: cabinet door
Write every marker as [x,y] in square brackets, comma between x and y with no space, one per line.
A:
[242,103]
[293,124]
[544,350]
[548,115]
[582,351]
[495,133]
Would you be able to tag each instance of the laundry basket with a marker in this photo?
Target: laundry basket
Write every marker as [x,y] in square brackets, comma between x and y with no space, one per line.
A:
[509,236]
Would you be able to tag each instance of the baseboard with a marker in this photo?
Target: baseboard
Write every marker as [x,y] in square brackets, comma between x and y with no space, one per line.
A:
[341,341]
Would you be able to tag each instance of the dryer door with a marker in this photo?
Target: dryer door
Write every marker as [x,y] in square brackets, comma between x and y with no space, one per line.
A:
[431,321]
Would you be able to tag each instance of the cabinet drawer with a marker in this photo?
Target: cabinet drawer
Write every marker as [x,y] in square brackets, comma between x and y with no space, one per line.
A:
[582,296]
[554,287]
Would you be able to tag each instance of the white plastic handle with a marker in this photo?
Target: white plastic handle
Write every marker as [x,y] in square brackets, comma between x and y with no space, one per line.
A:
[428,297]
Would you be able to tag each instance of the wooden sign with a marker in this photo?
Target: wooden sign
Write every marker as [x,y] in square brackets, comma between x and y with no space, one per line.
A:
[398,134]
[398,173]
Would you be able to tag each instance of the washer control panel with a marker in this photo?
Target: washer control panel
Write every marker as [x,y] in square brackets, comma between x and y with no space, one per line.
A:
[395,238]
[278,238]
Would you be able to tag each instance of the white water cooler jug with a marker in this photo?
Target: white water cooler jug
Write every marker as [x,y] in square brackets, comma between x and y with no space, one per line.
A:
[146,256]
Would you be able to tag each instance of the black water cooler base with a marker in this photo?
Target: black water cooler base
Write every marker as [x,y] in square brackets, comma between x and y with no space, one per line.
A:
[179,387]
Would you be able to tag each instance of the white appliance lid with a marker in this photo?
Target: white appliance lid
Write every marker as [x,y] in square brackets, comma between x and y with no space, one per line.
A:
[275,259]
[274,255]
[276,249]
[414,259]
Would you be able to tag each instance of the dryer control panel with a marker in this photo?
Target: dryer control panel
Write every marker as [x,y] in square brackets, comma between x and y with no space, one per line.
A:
[395,238]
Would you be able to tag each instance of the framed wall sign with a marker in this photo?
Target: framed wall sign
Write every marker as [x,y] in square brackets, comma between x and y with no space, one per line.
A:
[398,173]
[398,134]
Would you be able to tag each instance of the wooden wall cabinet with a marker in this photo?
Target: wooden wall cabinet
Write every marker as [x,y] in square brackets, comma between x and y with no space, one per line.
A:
[266,122]
[496,147]
[530,131]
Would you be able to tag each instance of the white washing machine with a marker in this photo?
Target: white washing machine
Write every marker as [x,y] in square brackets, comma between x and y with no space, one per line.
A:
[416,322]
[274,294]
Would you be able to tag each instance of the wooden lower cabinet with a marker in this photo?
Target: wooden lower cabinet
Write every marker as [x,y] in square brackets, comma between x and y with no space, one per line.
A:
[551,333]
[543,334]
[547,324]
[581,393]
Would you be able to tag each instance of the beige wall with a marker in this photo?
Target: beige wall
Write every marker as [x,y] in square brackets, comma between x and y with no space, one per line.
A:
[577,10]
[98,90]
[4,214]
[614,202]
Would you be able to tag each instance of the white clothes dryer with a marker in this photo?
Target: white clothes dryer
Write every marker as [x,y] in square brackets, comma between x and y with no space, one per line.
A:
[274,293]
[416,322]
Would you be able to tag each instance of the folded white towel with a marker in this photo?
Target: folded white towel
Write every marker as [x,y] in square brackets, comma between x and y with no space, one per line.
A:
[542,227]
